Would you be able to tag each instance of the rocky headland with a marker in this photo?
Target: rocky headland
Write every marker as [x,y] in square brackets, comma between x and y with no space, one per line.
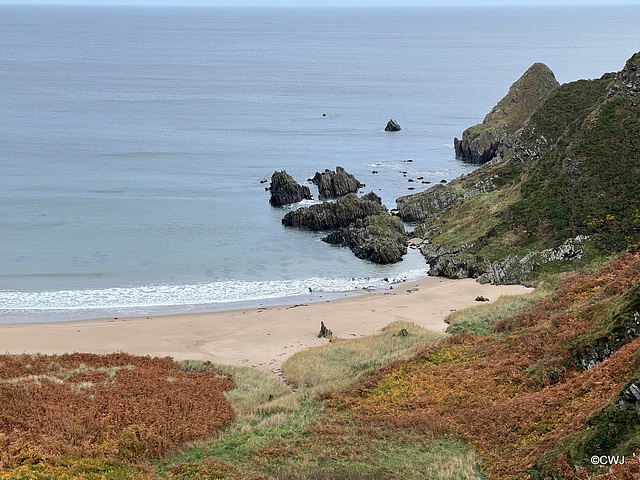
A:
[495,136]
[559,181]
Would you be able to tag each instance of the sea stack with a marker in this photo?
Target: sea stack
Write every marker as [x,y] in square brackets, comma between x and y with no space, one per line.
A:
[285,190]
[392,126]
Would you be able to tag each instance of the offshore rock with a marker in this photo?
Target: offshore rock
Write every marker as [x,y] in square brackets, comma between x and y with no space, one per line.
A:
[285,190]
[378,238]
[392,126]
[494,138]
[333,215]
[335,184]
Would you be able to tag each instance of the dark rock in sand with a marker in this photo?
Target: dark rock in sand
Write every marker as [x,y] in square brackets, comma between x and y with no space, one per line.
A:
[285,190]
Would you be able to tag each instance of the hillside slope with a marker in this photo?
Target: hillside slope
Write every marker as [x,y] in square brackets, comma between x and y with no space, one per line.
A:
[553,385]
[573,171]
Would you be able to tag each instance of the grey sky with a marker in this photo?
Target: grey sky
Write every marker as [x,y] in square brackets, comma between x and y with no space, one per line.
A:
[344,3]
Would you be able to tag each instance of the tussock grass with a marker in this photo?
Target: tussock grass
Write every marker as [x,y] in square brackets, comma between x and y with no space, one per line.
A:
[342,363]
[284,433]
[480,319]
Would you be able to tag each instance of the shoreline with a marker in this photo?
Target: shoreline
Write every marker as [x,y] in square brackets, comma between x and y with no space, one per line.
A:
[261,337]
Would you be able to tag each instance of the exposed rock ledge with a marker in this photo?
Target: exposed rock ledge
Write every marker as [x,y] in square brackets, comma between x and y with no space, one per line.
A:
[455,263]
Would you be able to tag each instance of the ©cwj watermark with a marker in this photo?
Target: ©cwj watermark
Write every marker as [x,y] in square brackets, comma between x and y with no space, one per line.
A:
[608,460]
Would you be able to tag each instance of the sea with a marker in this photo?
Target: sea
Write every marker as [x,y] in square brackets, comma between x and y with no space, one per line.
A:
[135,142]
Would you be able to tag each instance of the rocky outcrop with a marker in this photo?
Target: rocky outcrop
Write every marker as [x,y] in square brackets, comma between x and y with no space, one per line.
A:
[627,82]
[392,126]
[372,197]
[513,270]
[362,224]
[630,398]
[496,135]
[285,190]
[332,215]
[622,327]
[335,184]
[378,238]
[428,205]
[461,263]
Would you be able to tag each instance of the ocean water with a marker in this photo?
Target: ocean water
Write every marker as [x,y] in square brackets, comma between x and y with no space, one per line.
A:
[133,141]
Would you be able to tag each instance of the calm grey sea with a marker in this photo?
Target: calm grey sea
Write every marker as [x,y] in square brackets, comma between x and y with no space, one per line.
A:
[133,140]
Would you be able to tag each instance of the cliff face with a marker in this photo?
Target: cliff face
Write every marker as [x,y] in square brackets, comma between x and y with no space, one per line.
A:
[495,136]
[570,171]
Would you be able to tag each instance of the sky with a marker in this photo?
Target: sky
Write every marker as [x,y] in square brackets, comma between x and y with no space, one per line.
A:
[326,3]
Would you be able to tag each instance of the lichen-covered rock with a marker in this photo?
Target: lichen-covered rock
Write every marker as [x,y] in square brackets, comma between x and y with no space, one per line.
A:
[378,238]
[495,136]
[335,184]
[285,190]
[332,215]
[457,266]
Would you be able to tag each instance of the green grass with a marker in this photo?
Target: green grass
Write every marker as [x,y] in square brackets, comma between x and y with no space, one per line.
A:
[281,429]
[480,319]
[342,363]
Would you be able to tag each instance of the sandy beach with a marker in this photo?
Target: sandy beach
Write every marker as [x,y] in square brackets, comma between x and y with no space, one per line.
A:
[259,337]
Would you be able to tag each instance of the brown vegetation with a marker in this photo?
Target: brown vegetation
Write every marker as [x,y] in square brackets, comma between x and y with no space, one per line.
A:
[112,407]
[517,395]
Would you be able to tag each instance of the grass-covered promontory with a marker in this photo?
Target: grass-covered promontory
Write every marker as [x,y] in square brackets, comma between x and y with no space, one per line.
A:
[573,169]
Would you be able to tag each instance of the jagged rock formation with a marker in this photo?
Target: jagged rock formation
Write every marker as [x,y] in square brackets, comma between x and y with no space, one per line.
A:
[392,126]
[458,263]
[496,135]
[325,332]
[427,205]
[379,238]
[630,398]
[332,215]
[335,184]
[362,224]
[372,197]
[627,82]
[285,190]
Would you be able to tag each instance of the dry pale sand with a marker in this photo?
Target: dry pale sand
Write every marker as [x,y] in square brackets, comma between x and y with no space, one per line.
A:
[259,337]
